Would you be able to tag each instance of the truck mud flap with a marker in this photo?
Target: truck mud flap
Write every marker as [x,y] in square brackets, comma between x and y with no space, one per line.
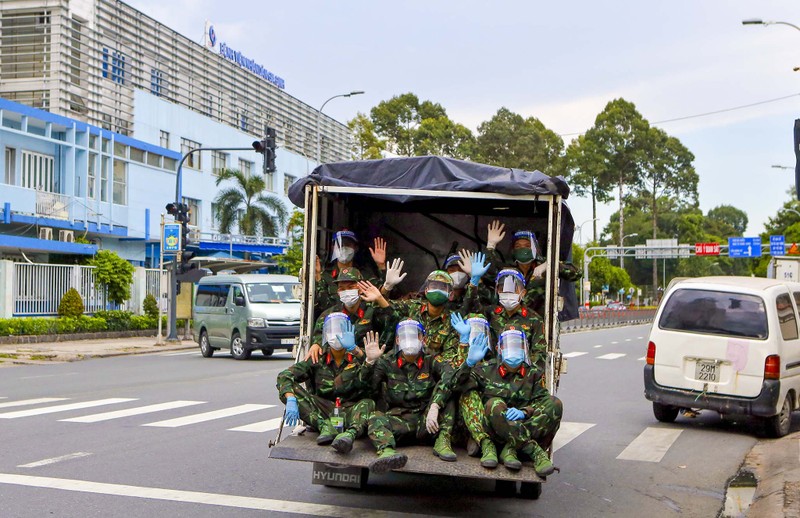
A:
[339,476]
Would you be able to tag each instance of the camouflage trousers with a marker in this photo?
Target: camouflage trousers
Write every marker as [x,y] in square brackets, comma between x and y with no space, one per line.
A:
[314,410]
[388,428]
[540,427]
[470,407]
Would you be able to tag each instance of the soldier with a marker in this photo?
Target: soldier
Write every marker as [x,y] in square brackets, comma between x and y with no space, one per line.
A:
[407,379]
[518,411]
[336,377]
[526,253]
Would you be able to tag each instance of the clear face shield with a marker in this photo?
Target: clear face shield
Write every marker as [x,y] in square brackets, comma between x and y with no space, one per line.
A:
[479,326]
[509,285]
[344,248]
[334,325]
[410,337]
[512,347]
[525,248]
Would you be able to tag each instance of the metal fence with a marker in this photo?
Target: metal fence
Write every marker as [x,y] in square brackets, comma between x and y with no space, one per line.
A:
[593,319]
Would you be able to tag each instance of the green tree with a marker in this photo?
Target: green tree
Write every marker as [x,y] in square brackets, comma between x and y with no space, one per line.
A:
[726,221]
[602,272]
[510,140]
[115,273]
[292,260]
[441,136]
[245,205]
[366,144]
[585,168]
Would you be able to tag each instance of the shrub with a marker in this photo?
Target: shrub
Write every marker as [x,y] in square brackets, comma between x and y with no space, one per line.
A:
[116,320]
[150,306]
[143,322]
[71,304]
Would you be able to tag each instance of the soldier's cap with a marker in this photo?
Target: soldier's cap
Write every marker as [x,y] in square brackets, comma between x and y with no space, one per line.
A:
[512,272]
[345,234]
[349,274]
[524,234]
[410,323]
[441,276]
[450,261]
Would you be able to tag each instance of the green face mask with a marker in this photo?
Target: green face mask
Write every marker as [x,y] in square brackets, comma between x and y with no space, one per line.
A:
[436,297]
[523,255]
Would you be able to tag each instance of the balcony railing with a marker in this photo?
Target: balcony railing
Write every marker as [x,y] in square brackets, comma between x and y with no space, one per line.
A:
[52,205]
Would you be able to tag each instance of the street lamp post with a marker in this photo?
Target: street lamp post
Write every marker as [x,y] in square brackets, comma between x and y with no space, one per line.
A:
[756,21]
[319,116]
[622,252]
[580,229]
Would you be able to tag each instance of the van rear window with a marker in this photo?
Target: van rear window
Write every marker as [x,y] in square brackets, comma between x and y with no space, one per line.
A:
[715,312]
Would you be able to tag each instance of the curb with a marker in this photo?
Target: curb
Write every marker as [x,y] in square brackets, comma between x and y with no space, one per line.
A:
[69,337]
[776,466]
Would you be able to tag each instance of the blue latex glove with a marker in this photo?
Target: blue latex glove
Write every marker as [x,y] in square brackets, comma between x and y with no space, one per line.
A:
[514,414]
[292,416]
[348,338]
[461,326]
[478,347]
[479,269]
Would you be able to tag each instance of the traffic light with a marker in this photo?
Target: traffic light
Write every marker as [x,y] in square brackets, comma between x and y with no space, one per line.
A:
[267,148]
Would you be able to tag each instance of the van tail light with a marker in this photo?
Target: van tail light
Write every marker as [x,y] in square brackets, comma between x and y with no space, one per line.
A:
[651,353]
[772,367]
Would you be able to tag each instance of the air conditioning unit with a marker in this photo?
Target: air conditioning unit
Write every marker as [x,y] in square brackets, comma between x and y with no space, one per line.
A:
[68,236]
[46,233]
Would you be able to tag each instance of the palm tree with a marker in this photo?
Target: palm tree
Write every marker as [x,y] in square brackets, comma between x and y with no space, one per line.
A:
[245,205]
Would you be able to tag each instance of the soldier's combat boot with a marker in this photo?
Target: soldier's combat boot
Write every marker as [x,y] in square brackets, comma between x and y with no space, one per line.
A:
[443,449]
[326,432]
[542,464]
[489,454]
[509,458]
[473,448]
[343,442]
[388,459]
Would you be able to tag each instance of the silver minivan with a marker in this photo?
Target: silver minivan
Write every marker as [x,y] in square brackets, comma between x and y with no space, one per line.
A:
[246,312]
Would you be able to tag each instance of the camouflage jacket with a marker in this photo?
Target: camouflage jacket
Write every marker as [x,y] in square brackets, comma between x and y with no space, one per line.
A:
[521,389]
[440,336]
[325,289]
[364,320]
[405,385]
[326,379]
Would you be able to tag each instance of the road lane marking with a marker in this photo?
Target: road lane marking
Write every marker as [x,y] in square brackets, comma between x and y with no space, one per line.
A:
[182,353]
[47,462]
[598,346]
[573,355]
[263,426]
[64,408]
[567,432]
[627,339]
[195,497]
[49,375]
[651,445]
[614,343]
[24,402]
[643,358]
[639,337]
[611,356]
[208,416]
[105,416]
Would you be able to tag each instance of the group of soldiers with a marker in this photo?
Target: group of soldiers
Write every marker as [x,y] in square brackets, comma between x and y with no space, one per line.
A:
[461,363]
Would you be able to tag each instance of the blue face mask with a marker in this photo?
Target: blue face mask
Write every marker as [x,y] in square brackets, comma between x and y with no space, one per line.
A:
[514,359]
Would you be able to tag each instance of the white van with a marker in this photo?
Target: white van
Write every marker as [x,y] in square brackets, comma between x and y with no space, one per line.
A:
[246,312]
[728,344]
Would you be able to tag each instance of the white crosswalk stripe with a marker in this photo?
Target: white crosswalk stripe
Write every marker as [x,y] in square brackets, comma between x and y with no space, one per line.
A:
[573,354]
[651,445]
[63,408]
[611,356]
[567,432]
[208,416]
[260,427]
[25,402]
[105,416]
[182,353]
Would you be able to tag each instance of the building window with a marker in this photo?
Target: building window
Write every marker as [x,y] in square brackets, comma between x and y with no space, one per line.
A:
[156,77]
[245,166]
[120,150]
[219,161]
[269,181]
[11,166]
[194,210]
[288,180]
[214,216]
[120,182]
[193,160]
[113,65]
[91,175]
[37,171]
[104,177]
[25,52]
[164,139]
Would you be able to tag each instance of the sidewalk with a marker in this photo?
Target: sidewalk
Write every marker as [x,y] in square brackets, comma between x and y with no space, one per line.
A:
[47,352]
[776,466]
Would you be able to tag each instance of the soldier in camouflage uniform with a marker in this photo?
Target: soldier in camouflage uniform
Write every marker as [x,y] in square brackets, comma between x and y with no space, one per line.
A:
[518,411]
[408,379]
[336,376]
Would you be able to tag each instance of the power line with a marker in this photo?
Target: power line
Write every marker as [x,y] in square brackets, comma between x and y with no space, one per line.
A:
[724,110]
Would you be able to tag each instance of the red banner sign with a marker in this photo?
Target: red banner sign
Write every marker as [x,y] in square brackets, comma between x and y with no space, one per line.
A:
[706,249]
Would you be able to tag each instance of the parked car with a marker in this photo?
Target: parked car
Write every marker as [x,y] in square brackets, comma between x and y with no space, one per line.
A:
[728,344]
[246,312]
[616,306]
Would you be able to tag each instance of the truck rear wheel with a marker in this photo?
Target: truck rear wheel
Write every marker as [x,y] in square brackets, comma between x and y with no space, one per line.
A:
[530,490]
[665,413]
[505,487]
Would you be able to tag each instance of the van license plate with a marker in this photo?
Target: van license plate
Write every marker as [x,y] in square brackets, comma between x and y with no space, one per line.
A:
[287,341]
[707,371]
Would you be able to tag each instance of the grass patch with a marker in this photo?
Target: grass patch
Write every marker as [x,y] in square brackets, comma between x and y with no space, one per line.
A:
[9,356]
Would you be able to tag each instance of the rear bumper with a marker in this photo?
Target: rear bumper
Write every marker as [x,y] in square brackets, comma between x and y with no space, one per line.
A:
[272,337]
[763,405]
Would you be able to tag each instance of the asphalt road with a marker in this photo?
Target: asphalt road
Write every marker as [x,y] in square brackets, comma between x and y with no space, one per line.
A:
[178,435]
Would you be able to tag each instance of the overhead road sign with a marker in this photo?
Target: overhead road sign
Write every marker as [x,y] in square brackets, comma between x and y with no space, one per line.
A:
[744,246]
[706,249]
[777,245]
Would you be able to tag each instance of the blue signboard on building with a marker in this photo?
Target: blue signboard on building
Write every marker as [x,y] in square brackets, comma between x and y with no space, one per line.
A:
[777,245]
[171,240]
[744,246]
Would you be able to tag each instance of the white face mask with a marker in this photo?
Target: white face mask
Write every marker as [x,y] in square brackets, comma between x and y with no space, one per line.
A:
[344,254]
[349,297]
[410,345]
[509,300]
[459,279]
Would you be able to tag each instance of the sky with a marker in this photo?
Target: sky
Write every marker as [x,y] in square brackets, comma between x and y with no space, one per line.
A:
[560,62]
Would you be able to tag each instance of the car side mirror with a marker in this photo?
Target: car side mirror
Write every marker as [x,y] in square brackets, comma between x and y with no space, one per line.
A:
[239,301]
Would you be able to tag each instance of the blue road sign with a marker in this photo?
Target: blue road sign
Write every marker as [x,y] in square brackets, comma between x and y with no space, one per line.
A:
[744,246]
[777,245]
[171,243]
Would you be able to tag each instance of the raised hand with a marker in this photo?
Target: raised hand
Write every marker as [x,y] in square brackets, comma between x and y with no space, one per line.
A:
[466,260]
[368,291]
[478,347]
[292,415]
[348,337]
[514,414]
[479,267]
[496,233]
[379,252]
[394,274]
[432,419]
[540,270]
[461,326]
[372,348]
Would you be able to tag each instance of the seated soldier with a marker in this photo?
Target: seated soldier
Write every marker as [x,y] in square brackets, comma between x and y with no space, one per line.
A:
[407,380]
[518,411]
[335,378]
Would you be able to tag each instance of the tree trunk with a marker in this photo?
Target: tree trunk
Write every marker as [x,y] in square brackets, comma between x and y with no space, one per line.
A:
[594,216]
[655,261]
[621,224]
